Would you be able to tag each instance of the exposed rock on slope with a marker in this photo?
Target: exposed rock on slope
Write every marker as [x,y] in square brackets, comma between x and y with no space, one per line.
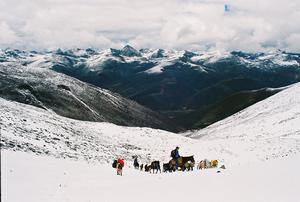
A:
[72,98]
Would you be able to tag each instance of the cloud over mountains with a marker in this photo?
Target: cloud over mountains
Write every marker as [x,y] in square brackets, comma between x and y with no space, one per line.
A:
[250,25]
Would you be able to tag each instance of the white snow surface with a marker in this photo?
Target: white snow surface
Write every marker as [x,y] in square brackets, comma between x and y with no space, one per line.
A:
[268,129]
[211,57]
[46,157]
[26,177]
[31,129]
[160,67]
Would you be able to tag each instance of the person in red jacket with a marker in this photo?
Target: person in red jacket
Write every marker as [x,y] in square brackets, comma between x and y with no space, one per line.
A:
[120,165]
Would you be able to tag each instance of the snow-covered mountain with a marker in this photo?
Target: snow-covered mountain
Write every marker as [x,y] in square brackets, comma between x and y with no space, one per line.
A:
[157,57]
[69,97]
[269,129]
[266,130]
[31,129]
[183,85]
[259,146]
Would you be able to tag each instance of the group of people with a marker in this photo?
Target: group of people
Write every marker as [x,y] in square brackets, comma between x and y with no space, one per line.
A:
[184,163]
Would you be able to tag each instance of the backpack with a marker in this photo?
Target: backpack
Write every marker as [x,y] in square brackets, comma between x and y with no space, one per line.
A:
[173,154]
[114,164]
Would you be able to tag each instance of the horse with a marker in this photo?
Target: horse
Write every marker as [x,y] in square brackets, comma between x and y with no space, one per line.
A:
[147,168]
[181,162]
[201,165]
[166,167]
[214,163]
[155,165]
[189,166]
[207,164]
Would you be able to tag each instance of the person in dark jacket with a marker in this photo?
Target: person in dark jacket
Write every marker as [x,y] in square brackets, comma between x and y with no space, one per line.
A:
[175,156]
[136,163]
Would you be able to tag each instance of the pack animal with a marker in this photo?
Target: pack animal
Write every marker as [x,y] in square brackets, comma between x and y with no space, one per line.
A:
[214,163]
[201,165]
[189,166]
[147,168]
[166,167]
[181,162]
[155,165]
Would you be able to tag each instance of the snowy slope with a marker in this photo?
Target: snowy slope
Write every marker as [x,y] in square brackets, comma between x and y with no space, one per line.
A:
[260,147]
[70,97]
[268,129]
[30,129]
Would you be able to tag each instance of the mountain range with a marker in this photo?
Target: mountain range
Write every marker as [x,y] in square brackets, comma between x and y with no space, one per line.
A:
[185,89]
[65,159]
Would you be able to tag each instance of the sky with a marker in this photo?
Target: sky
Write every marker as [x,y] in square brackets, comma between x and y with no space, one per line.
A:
[248,25]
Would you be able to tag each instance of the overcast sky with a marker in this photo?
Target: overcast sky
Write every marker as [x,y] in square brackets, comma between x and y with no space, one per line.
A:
[250,25]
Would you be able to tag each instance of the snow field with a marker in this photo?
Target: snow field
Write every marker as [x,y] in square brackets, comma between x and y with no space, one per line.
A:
[27,177]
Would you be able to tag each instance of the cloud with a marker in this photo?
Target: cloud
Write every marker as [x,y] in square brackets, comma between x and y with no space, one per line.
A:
[7,35]
[250,25]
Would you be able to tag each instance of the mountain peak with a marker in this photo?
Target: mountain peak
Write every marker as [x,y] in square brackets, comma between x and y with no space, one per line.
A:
[159,53]
[129,51]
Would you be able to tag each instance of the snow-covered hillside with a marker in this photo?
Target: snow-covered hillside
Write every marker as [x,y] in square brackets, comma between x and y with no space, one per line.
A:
[266,130]
[70,97]
[259,146]
[30,129]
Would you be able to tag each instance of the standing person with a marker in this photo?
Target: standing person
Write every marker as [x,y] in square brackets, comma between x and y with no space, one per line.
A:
[136,163]
[141,167]
[120,165]
[175,156]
